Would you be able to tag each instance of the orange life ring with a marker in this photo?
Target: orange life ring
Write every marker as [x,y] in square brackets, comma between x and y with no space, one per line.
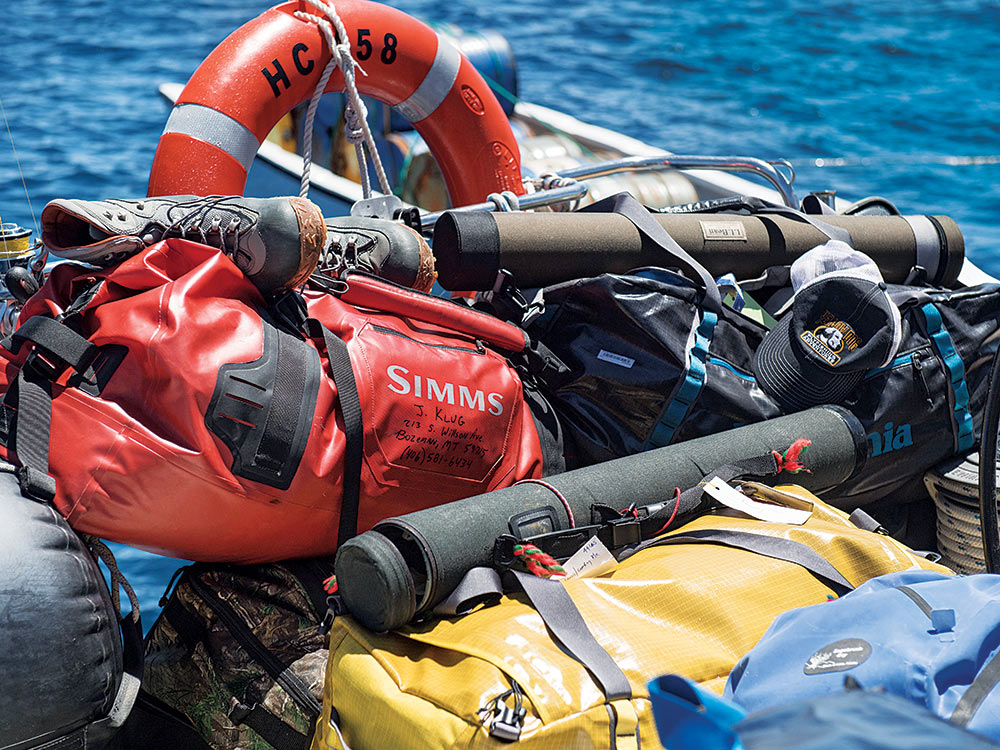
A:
[272,63]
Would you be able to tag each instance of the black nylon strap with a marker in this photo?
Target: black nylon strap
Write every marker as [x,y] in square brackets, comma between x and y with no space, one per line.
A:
[762,544]
[479,585]
[34,410]
[62,347]
[974,696]
[272,729]
[350,410]
[557,609]
[57,340]
[626,205]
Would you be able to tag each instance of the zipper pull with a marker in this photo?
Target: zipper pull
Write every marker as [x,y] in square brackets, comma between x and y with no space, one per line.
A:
[922,377]
[170,585]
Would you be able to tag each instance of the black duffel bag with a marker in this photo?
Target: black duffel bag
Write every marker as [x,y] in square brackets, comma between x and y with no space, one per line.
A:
[653,358]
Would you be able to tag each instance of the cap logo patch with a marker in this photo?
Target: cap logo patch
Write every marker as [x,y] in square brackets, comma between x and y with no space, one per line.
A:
[829,338]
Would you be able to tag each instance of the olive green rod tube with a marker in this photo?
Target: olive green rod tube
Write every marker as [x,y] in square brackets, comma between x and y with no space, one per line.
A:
[540,249]
[408,564]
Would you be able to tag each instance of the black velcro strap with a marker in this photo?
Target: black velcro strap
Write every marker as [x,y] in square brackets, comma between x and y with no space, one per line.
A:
[350,410]
[31,442]
[479,585]
[762,544]
[976,693]
[63,347]
[272,729]
[561,616]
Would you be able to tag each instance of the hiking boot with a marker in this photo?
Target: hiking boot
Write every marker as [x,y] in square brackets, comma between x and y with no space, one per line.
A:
[384,248]
[276,242]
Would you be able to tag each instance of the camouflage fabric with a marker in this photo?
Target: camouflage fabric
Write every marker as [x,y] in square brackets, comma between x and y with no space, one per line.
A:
[198,665]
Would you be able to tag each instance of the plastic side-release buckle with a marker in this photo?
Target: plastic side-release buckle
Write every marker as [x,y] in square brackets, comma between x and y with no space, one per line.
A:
[507,723]
[559,544]
[624,532]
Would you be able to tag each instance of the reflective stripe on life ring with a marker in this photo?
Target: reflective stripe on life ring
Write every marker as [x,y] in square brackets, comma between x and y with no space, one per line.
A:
[272,63]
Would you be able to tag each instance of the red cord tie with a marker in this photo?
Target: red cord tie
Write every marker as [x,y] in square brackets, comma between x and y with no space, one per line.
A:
[677,505]
[789,460]
[538,563]
[330,585]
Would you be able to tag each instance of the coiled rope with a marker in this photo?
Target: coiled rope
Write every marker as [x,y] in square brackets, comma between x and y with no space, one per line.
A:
[355,112]
[959,534]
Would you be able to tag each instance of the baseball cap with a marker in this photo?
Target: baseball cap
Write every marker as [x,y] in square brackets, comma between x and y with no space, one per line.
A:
[841,325]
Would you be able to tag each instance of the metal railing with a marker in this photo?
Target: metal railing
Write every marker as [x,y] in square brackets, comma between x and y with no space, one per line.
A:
[578,189]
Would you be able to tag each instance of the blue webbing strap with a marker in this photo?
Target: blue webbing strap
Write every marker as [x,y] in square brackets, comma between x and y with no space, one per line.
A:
[690,387]
[956,371]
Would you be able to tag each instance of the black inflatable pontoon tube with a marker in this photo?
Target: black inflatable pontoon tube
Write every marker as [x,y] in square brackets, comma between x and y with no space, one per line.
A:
[546,248]
[62,656]
[407,565]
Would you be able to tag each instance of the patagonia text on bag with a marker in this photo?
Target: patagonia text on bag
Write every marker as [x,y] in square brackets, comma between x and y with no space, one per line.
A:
[179,414]
[918,634]
[926,405]
[581,652]
[652,360]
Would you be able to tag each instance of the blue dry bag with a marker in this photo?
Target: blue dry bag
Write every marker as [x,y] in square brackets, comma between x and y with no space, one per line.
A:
[931,638]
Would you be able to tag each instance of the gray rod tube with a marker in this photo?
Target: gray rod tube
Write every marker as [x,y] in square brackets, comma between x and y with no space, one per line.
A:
[540,249]
[408,564]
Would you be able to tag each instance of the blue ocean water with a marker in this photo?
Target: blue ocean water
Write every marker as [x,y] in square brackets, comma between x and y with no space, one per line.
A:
[867,98]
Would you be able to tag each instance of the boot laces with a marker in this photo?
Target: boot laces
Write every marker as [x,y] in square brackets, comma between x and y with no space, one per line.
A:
[196,213]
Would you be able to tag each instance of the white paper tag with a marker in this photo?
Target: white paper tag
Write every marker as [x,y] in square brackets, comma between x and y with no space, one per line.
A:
[736,500]
[591,559]
[615,359]
[723,230]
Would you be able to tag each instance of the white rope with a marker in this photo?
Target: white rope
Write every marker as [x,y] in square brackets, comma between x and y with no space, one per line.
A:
[355,113]
[958,535]
[551,181]
[505,201]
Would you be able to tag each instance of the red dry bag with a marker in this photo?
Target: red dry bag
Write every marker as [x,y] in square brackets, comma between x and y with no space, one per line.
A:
[176,412]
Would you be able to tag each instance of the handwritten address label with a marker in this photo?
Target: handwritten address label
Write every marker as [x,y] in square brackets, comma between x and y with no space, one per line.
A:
[437,438]
[592,559]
